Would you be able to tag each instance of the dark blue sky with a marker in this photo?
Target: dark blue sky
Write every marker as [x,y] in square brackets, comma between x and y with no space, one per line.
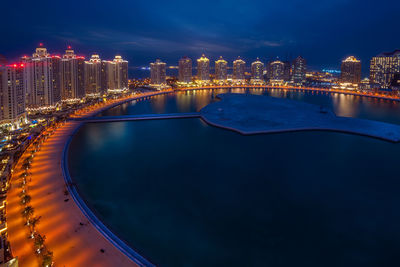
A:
[324,32]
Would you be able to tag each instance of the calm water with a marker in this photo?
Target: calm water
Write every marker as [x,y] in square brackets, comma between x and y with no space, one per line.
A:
[183,193]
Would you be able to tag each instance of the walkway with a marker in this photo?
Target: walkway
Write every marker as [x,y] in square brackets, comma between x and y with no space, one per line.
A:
[140,117]
[74,240]
[69,234]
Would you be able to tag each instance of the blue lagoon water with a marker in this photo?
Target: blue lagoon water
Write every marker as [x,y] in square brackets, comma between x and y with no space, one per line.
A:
[183,193]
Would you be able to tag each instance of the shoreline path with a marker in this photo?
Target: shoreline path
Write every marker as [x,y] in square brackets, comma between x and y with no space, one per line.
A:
[69,234]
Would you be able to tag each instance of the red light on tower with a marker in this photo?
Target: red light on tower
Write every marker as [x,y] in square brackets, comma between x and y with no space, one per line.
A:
[69,47]
[41,44]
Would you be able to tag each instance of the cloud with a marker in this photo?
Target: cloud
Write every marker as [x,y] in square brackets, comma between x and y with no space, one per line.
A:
[271,43]
[129,41]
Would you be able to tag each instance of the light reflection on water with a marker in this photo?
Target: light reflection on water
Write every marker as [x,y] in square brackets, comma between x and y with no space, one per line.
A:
[187,194]
[193,101]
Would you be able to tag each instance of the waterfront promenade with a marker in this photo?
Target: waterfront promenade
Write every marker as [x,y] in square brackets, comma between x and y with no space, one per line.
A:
[73,239]
[69,234]
[140,117]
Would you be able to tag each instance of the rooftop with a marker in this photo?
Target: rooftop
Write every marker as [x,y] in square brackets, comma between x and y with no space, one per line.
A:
[390,54]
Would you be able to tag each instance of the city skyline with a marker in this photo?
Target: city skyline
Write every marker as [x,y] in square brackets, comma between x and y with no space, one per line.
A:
[199,133]
[133,70]
[324,33]
[59,52]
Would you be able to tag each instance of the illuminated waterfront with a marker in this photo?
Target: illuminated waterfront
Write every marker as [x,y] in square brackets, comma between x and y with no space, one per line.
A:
[123,143]
[184,193]
[193,101]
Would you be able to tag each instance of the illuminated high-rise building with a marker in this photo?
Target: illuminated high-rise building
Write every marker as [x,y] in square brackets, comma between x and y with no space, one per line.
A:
[287,71]
[93,76]
[41,79]
[203,68]
[114,75]
[257,70]
[104,76]
[56,78]
[299,71]
[12,96]
[158,72]
[239,68]
[121,73]
[72,76]
[185,70]
[276,70]
[221,69]
[351,70]
[384,67]
[108,76]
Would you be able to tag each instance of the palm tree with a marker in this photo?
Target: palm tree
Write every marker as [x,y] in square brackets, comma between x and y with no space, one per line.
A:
[26,165]
[22,185]
[25,199]
[33,233]
[39,242]
[34,221]
[28,211]
[23,176]
[47,259]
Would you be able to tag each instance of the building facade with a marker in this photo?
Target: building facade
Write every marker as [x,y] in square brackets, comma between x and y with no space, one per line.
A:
[257,70]
[12,95]
[221,69]
[72,76]
[287,71]
[41,79]
[203,68]
[299,71]
[239,69]
[56,78]
[350,71]
[158,72]
[93,76]
[108,71]
[384,67]
[121,73]
[185,70]
[114,75]
[276,70]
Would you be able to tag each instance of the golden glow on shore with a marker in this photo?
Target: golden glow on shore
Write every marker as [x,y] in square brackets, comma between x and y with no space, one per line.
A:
[286,87]
[69,235]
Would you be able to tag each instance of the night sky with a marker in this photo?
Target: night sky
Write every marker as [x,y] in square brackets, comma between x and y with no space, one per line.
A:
[322,31]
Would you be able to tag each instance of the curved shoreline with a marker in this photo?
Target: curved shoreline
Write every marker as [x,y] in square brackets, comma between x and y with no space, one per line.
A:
[306,129]
[73,236]
[275,115]
[81,205]
[103,229]
[293,88]
[109,235]
[86,211]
